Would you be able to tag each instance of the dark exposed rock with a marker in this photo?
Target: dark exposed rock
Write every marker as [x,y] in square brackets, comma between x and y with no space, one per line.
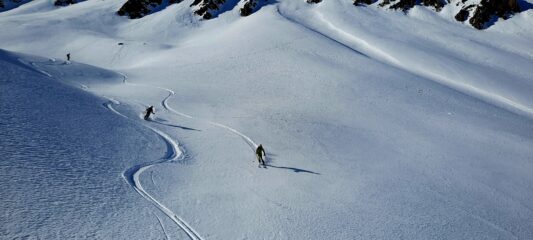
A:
[207,7]
[137,8]
[490,8]
[477,14]
[2,4]
[361,2]
[404,5]
[140,8]
[66,2]
[385,3]
[248,7]
[437,4]
[462,15]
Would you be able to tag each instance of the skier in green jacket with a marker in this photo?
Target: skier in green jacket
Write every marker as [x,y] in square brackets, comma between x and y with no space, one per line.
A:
[260,152]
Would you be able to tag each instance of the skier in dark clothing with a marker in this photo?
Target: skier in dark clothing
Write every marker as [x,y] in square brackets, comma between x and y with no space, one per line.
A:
[149,111]
[68,56]
[260,152]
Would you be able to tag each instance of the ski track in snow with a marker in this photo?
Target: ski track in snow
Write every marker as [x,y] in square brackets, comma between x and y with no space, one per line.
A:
[165,105]
[132,175]
[162,227]
[174,153]
[364,48]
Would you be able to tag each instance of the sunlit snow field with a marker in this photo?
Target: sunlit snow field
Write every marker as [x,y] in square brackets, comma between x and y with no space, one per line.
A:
[376,124]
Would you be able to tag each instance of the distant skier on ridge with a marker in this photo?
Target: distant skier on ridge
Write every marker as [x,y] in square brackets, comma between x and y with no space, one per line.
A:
[149,110]
[68,56]
[260,152]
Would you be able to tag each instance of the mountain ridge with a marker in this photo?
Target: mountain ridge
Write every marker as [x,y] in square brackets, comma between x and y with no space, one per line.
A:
[480,14]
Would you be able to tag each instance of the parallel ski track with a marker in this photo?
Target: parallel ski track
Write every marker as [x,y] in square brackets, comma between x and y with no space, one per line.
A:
[132,175]
[174,153]
[166,106]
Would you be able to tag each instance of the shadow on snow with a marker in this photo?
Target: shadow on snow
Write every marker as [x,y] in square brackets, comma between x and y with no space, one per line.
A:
[176,126]
[272,156]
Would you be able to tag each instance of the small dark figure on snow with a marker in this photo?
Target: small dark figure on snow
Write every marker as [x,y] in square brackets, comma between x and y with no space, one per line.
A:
[68,56]
[149,111]
[260,152]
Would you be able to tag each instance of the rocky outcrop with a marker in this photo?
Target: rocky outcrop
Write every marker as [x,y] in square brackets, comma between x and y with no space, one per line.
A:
[464,13]
[66,2]
[2,4]
[490,8]
[477,12]
[437,4]
[140,8]
[249,7]
[385,3]
[479,15]
[403,5]
[207,9]
[363,2]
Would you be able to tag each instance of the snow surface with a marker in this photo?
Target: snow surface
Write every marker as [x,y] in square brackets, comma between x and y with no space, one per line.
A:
[376,124]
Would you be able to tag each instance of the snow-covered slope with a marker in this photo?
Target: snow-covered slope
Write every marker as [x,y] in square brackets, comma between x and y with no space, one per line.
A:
[62,158]
[377,124]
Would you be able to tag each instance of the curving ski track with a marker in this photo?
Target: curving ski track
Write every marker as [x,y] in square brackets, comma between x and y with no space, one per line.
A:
[166,106]
[174,153]
[132,175]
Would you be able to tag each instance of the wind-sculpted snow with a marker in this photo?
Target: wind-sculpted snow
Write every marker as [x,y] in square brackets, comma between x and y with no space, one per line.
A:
[465,82]
[59,162]
[133,174]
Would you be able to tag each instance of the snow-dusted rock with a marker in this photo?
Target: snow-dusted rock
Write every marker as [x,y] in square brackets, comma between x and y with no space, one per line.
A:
[248,7]
[487,9]
[361,2]
[436,4]
[478,12]
[207,9]
[66,2]
[140,8]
